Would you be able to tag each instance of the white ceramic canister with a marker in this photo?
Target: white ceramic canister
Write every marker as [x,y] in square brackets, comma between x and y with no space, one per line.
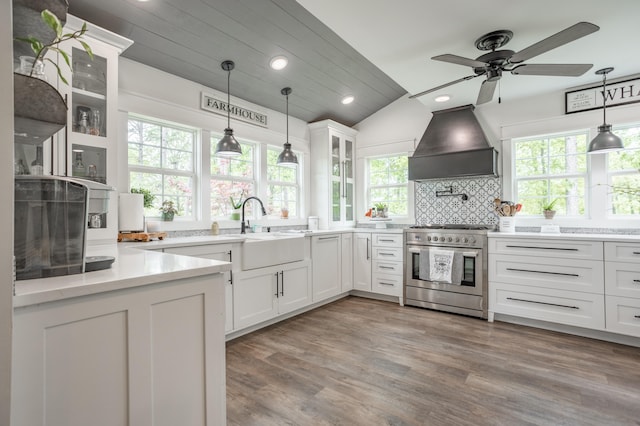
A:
[313,223]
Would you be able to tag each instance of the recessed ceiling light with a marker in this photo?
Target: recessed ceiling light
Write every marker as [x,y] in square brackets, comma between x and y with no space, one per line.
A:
[348,99]
[443,98]
[279,62]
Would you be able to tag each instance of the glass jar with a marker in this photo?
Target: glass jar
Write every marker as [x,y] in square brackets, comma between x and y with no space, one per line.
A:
[27,67]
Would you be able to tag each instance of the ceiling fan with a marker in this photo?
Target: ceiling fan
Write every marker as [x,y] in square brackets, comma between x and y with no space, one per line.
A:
[493,64]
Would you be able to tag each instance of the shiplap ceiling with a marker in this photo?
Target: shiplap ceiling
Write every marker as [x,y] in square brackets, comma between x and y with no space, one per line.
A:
[190,39]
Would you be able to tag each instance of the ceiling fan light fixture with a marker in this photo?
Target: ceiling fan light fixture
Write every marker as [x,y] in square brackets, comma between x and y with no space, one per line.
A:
[287,157]
[442,98]
[228,146]
[278,62]
[347,99]
[605,141]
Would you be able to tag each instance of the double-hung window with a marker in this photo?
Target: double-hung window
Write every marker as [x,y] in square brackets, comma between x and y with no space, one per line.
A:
[283,186]
[546,168]
[623,168]
[161,159]
[232,179]
[388,183]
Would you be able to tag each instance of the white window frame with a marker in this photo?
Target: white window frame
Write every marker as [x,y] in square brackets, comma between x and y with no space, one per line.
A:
[611,174]
[193,174]
[368,187]
[297,185]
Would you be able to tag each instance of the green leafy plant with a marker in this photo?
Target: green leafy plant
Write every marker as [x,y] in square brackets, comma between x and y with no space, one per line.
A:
[236,205]
[168,207]
[40,48]
[549,206]
[149,198]
[380,206]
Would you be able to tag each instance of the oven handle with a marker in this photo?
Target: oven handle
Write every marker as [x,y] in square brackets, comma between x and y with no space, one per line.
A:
[464,253]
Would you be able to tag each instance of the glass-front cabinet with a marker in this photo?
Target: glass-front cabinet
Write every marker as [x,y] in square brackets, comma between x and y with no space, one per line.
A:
[332,169]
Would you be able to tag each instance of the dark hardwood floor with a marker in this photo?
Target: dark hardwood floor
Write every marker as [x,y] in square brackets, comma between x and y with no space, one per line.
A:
[364,362]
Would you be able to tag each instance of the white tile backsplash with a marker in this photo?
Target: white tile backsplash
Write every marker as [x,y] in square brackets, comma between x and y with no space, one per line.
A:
[477,210]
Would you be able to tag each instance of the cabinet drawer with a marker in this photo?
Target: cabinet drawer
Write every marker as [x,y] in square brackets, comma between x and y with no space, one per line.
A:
[623,315]
[387,253]
[384,267]
[564,307]
[387,284]
[387,240]
[592,250]
[200,251]
[622,279]
[622,252]
[559,274]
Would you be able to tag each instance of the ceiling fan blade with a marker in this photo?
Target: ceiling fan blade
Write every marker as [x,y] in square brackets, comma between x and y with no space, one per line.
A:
[460,60]
[565,36]
[469,77]
[486,91]
[562,70]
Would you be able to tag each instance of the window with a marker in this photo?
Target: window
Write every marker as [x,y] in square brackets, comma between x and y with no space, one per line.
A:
[548,168]
[232,178]
[388,183]
[623,169]
[283,187]
[161,159]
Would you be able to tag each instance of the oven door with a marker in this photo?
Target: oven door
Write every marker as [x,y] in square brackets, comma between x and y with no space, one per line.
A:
[471,270]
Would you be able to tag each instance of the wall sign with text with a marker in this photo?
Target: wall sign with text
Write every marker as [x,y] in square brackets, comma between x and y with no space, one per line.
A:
[619,93]
[217,106]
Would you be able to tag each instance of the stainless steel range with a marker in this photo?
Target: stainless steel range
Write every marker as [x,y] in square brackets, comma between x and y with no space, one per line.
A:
[462,251]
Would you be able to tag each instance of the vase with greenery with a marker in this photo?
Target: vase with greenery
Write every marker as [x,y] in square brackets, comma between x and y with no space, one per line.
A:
[236,206]
[40,48]
[547,209]
[168,211]
[381,210]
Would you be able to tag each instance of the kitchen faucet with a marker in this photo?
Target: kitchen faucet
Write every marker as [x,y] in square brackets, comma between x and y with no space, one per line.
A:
[264,212]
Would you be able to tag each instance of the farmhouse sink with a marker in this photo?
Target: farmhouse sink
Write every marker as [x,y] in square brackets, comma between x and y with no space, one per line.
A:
[268,249]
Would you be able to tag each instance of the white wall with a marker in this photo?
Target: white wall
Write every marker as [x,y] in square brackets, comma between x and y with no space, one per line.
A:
[6,213]
[154,93]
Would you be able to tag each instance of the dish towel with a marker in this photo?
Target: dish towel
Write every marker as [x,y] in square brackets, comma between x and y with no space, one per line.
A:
[441,265]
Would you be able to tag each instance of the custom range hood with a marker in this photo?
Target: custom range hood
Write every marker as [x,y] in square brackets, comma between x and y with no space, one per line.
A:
[454,145]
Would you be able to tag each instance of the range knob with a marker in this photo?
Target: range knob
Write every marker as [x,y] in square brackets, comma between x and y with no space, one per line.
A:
[428,238]
[449,239]
[442,239]
[466,240]
[457,239]
[472,241]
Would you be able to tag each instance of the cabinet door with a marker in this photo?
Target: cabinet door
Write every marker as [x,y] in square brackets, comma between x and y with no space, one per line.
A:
[294,288]
[362,262]
[347,170]
[347,261]
[325,252]
[254,297]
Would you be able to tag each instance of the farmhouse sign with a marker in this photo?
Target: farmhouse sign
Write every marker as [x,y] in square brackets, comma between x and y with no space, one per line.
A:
[217,106]
[620,93]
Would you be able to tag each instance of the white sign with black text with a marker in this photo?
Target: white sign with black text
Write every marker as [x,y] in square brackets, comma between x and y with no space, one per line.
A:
[217,106]
[619,93]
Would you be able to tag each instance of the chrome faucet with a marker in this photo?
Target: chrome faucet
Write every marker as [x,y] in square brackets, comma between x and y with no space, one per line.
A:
[264,212]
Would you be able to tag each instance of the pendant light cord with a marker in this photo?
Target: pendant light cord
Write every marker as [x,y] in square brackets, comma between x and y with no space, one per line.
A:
[287,118]
[604,97]
[228,99]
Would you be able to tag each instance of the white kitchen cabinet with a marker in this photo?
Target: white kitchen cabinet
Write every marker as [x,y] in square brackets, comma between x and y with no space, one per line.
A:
[362,261]
[332,174]
[150,355]
[346,251]
[215,252]
[327,266]
[262,294]
[622,287]
[387,266]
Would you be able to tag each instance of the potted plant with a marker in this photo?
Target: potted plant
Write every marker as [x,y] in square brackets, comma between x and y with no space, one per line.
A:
[236,206]
[381,210]
[168,210]
[149,198]
[547,209]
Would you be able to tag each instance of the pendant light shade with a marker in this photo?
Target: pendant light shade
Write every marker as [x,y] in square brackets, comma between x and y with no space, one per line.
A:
[287,157]
[228,146]
[605,140]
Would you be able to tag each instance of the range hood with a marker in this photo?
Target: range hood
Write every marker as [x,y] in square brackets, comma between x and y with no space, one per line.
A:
[454,145]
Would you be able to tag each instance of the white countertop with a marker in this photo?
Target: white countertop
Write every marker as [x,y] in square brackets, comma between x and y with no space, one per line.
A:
[131,268]
[567,236]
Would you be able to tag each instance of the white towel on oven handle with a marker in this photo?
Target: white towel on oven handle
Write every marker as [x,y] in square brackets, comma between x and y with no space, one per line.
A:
[441,265]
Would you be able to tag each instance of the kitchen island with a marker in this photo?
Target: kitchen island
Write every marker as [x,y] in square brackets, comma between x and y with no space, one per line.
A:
[139,343]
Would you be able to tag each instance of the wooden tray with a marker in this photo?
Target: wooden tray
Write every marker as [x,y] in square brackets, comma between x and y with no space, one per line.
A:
[140,236]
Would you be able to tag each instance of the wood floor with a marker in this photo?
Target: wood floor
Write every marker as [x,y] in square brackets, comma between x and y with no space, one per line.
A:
[364,362]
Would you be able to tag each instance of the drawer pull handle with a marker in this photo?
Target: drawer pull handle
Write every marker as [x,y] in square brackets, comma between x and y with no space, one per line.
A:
[636,281]
[328,238]
[386,254]
[636,316]
[545,248]
[636,252]
[387,241]
[542,303]
[386,267]
[383,283]
[543,272]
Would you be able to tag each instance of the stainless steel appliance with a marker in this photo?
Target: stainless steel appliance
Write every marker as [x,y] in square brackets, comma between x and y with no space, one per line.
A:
[466,242]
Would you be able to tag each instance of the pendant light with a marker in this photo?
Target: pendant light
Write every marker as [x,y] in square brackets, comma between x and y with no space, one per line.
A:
[287,157]
[605,141]
[228,146]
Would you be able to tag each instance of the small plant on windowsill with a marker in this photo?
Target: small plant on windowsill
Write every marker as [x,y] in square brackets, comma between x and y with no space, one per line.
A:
[381,210]
[236,206]
[547,209]
[168,211]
